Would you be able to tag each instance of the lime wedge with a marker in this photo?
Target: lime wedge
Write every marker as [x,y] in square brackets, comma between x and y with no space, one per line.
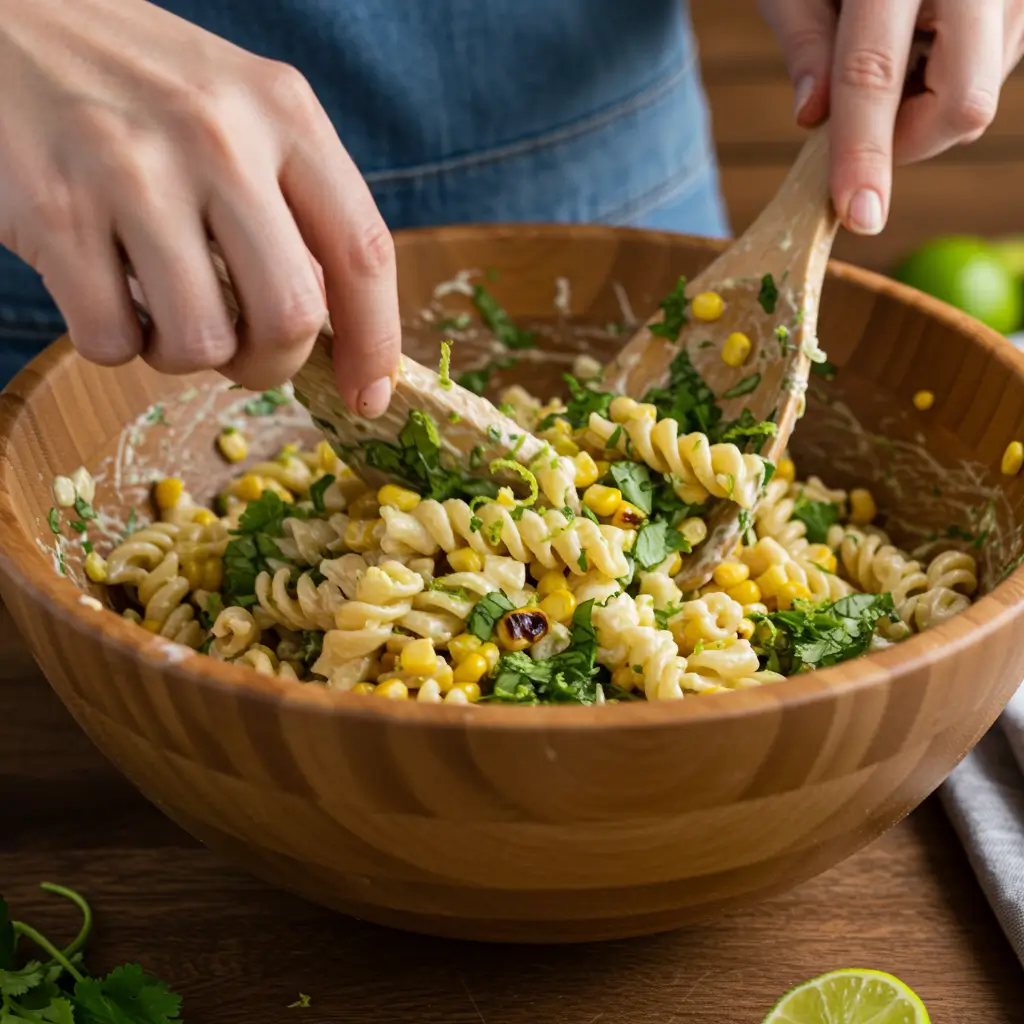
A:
[850,996]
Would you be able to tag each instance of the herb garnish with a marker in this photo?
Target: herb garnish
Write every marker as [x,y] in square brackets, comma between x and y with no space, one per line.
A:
[53,518]
[500,323]
[253,544]
[266,403]
[633,479]
[317,489]
[486,612]
[157,415]
[744,387]
[477,380]
[817,516]
[674,308]
[768,296]
[655,541]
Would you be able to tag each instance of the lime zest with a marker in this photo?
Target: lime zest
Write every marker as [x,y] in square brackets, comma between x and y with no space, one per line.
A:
[517,467]
[444,370]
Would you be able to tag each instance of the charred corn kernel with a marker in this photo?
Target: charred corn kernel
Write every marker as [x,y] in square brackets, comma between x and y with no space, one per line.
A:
[387,661]
[490,653]
[364,688]
[418,657]
[96,567]
[551,581]
[821,554]
[151,625]
[443,675]
[862,507]
[736,349]
[786,470]
[728,574]
[622,409]
[398,497]
[249,487]
[694,530]
[674,563]
[392,689]
[923,400]
[626,679]
[366,506]
[745,593]
[168,492]
[325,457]
[506,498]
[565,446]
[192,570]
[601,500]
[205,517]
[465,560]
[746,629]
[559,606]
[1013,458]
[519,628]
[602,467]
[471,669]
[789,592]
[586,470]
[628,517]
[771,580]
[707,306]
[469,690]
[462,646]
[232,444]
[359,534]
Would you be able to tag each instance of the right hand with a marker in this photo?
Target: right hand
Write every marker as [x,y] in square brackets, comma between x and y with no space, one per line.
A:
[123,125]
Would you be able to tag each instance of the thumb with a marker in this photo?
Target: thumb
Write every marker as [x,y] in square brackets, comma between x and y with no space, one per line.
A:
[805,30]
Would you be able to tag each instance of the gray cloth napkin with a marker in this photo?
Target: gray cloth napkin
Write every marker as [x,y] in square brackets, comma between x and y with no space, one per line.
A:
[984,798]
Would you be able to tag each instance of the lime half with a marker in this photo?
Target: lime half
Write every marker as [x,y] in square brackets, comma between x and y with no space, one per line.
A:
[850,996]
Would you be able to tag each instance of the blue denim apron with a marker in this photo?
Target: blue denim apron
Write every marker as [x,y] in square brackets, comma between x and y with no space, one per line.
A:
[476,110]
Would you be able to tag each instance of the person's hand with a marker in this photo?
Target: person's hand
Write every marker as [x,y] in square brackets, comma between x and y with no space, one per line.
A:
[851,66]
[125,127]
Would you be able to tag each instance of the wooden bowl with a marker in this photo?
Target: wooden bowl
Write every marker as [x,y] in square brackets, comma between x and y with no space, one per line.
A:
[545,824]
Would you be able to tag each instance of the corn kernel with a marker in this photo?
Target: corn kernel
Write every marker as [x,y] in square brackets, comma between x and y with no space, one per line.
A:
[398,497]
[625,678]
[586,470]
[325,456]
[728,574]
[789,592]
[622,409]
[392,689]
[746,629]
[628,517]
[192,570]
[366,506]
[470,690]
[205,517]
[736,349]
[490,653]
[151,625]
[821,555]
[565,446]
[537,569]
[603,465]
[168,492]
[232,444]
[862,507]
[506,498]
[131,615]
[465,560]
[601,500]
[707,306]
[923,400]
[443,675]
[462,646]
[249,487]
[674,563]
[559,606]
[1013,458]
[551,581]
[694,530]
[363,688]
[771,580]
[96,567]
[786,470]
[471,669]
[359,534]
[418,657]
[745,593]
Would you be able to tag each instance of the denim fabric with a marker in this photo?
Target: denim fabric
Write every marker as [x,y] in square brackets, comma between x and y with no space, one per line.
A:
[463,110]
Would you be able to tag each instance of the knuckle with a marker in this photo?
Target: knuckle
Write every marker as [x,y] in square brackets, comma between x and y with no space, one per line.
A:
[53,209]
[972,114]
[286,89]
[805,38]
[372,250]
[869,68]
[104,347]
[201,347]
[865,153]
[295,321]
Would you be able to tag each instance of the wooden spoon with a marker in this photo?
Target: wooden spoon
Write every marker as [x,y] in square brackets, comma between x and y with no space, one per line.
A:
[791,241]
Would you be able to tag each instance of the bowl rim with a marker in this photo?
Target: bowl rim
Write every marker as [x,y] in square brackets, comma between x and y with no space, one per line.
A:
[24,567]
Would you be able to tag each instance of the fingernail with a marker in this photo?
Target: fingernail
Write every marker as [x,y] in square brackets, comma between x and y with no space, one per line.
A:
[866,212]
[374,398]
[802,93]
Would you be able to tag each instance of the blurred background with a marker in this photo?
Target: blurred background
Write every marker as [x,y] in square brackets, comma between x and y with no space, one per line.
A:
[975,190]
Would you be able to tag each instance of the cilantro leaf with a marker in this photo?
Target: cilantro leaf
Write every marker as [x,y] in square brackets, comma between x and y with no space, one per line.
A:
[477,380]
[817,516]
[266,403]
[826,369]
[686,398]
[674,308]
[53,518]
[252,544]
[125,996]
[584,400]
[744,387]
[768,296]
[655,541]
[17,983]
[633,479]
[316,491]
[500,323]
[486,612]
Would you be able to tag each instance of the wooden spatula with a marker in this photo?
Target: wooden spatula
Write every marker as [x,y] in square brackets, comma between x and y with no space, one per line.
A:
[770,278]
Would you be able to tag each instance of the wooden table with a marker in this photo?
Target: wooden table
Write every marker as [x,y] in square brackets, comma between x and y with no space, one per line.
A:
[240,952]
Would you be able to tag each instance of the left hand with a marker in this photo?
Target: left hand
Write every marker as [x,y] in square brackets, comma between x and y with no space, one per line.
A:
[850,66]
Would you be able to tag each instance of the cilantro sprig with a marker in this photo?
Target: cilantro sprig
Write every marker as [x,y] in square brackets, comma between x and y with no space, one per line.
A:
[817,516]
[253,544]
[57,989]
[500,323]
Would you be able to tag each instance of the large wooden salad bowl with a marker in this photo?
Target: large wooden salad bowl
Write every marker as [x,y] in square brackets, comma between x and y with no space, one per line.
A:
[553,823]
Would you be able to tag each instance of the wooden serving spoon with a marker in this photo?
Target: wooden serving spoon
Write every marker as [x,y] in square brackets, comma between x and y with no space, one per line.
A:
[790,241]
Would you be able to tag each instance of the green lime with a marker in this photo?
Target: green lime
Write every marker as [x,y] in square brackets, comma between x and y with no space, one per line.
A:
[968,273]
[850,996]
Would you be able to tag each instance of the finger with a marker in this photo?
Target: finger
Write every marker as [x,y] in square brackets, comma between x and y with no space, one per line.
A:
[281,299]
[872,48]
[343,229]
[806,31]
[963,77]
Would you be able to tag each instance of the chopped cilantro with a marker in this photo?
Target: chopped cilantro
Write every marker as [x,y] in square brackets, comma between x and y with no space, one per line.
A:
[266,403]
[53,518]
[486,612]
[208,615]
[589,514]
[583,402]
[252,544]
[493,433]
[317,489]
[500,323]
[974,539]
[817,516]
[662,615]
[84,509]
[459,322]
[582,561]
[476,457]
[633,479]
[686,399]
[826,369]
[655,541]
[768,296]
[129,526]
[312,646]
[673,306]
[475,524]
[744,387]
[477,380]
[157,415]
[87,547]
[454,417]
[79,525]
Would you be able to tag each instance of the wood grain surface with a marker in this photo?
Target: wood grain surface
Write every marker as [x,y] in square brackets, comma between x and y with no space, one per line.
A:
[240,952]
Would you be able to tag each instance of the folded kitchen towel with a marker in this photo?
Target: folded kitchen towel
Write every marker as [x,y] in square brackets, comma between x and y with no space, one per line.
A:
[984,798]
